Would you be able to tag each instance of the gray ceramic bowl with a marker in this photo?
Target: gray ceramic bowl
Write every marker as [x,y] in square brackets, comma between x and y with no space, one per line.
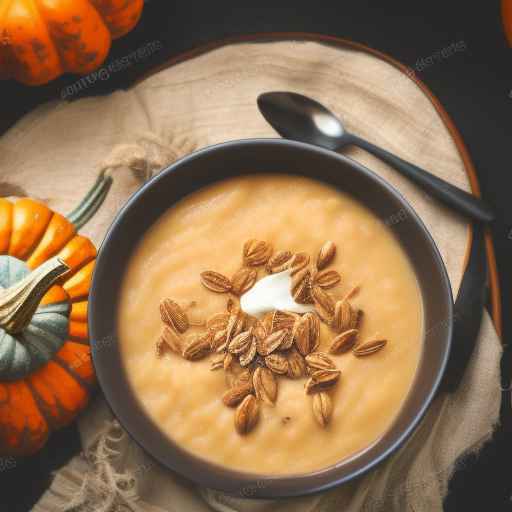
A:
[248,157]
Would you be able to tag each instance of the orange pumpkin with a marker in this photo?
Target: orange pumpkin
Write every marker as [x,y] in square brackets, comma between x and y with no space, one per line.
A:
[506,13]
[46,373]
[41,39]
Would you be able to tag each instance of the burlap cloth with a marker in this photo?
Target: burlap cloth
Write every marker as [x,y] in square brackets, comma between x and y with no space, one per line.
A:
[55,153]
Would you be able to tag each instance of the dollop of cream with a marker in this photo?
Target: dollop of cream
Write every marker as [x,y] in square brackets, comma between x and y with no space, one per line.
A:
[271,293]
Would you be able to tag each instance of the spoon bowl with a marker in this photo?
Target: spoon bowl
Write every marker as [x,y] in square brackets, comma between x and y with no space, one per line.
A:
[297,117]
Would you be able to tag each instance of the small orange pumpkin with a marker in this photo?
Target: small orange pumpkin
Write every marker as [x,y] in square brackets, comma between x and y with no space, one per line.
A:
[41,39]
[46,373]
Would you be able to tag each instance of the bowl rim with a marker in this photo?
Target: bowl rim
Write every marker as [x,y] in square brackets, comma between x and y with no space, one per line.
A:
[231,481]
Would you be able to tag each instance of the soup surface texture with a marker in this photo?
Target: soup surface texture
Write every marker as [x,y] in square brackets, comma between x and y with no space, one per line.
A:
[206,231]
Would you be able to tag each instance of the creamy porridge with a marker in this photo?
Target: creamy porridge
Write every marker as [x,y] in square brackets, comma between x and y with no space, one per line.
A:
[296,429]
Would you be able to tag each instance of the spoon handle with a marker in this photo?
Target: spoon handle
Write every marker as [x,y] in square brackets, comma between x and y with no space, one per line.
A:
[446,192]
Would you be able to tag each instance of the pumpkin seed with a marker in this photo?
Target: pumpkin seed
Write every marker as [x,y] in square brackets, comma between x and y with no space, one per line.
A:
[243,280]
[215,282]
[256,252]
[279,262]
[265,385]
[246,357]
[219,341]
[321,380]
[301,284]
[325,255]
[327,279]
[298,262]
[357,318]
[320,361]
[246,415]
[199,347]
[236,394]
[277,363]
[218,322]
[296,365]
[301,335]
[169,340]
[240,343]
[322,408]
[342,319]
[259,330]
[244,377]
[282,320]
[173,315]
[314,330]
[344,342]
[370,347]
[271,342]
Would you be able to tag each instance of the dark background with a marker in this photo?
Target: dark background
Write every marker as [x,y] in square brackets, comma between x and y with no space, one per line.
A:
[474,86]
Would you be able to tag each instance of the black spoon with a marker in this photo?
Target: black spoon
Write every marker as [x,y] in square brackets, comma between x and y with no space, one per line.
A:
[301,118]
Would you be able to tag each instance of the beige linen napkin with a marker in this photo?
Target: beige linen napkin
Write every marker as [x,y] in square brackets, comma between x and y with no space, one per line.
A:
[55,153]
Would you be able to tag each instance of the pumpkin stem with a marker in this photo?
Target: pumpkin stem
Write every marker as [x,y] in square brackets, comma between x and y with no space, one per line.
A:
[19,302]
[91,202]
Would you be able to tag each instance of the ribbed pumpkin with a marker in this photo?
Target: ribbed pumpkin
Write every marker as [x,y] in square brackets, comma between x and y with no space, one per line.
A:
[46,372]
[41,39]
